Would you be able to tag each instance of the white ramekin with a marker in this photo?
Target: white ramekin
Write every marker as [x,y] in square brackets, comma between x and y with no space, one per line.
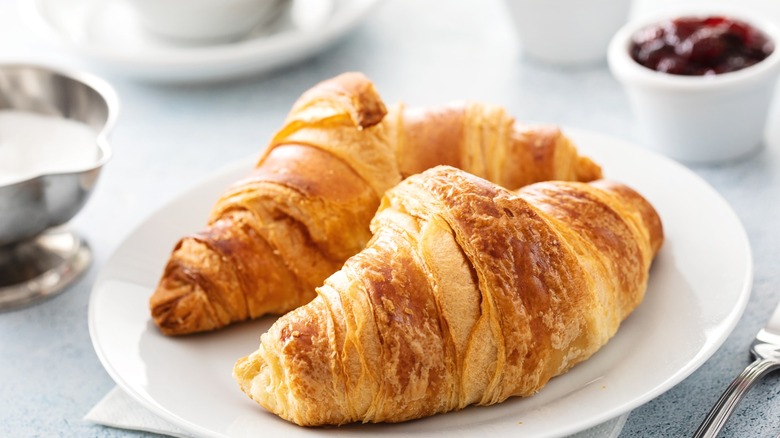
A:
[698,119]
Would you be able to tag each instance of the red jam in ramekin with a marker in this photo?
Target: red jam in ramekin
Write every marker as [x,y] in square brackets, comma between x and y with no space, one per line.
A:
[696,46]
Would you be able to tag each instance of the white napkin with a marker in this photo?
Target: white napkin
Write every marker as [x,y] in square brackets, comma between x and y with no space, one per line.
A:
[119,410]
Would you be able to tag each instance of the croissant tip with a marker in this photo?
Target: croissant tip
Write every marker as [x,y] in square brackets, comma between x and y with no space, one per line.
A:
[588,170]
[180,309]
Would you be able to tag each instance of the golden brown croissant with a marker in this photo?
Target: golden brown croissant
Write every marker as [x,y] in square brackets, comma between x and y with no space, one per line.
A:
[466,294]
[276,235]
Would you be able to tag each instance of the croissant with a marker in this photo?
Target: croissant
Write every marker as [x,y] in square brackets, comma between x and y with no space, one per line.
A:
[277,234]
[467,294]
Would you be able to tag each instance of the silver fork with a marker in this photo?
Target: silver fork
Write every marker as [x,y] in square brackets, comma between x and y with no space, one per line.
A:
[766,350]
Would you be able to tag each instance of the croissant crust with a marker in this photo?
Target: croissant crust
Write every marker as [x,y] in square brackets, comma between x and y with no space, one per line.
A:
[278,233]
[467,294]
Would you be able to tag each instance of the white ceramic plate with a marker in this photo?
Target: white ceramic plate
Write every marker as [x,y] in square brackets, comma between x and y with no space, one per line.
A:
[107,32]
[699,286]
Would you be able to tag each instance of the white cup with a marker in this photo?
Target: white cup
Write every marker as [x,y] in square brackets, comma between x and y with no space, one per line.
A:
[203,21]
[698,119]
[567,32]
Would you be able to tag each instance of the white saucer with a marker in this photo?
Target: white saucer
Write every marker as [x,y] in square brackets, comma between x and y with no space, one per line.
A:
[107,33]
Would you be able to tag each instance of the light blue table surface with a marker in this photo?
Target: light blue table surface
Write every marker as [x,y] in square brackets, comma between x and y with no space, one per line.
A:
[421,52]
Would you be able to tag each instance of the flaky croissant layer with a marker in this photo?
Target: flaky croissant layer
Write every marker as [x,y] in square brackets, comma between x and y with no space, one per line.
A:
[467,294]
[277,234]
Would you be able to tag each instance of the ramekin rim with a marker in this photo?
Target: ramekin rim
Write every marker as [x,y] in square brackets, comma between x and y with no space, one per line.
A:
[627,70]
